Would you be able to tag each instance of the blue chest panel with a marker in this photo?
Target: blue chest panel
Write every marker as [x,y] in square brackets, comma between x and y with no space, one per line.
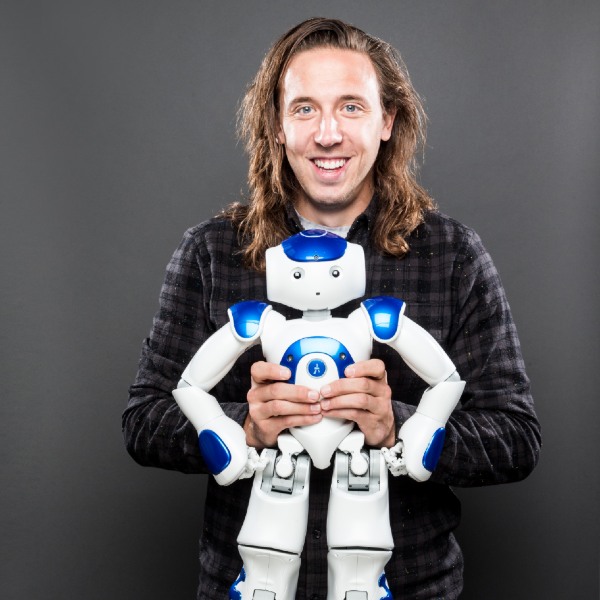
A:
[246,316]
[312,345]
[385,313]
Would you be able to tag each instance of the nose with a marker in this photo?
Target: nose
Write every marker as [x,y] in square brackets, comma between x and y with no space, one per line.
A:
[329,133]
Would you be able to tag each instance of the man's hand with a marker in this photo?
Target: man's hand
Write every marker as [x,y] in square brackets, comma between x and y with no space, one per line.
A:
[275,405]
[365,398]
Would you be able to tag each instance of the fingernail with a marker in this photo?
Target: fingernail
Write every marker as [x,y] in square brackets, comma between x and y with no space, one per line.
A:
[315,408]
[325,390]
[350,371]
[285,373]
[313,395]
[325,404]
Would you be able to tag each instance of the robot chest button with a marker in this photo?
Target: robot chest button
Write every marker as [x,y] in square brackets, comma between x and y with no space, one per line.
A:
[316,368]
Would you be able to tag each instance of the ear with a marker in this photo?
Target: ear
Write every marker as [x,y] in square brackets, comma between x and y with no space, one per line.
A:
[280,137]
[388,124]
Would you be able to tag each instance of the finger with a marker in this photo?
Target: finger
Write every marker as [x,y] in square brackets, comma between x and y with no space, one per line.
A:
[373,368]
[279,408]
[359,385]
[360,417]
[263,372]
[351,402]
[268,392]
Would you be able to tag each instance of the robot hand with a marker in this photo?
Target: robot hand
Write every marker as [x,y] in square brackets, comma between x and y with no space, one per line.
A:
[423,434]
[222,441]
[422,442]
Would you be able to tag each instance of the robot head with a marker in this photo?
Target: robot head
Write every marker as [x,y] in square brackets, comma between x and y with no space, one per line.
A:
[315,270]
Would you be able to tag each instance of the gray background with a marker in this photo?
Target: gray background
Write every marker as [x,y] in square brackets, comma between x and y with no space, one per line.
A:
[117,133]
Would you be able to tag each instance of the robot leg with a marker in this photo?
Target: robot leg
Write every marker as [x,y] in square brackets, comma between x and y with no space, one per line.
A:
[273,533]
[358,527]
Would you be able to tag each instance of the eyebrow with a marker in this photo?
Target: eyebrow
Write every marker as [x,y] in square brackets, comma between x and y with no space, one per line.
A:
[300,100]
[354,97]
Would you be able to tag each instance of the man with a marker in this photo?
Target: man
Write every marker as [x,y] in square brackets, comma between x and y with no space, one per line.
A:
[331,124]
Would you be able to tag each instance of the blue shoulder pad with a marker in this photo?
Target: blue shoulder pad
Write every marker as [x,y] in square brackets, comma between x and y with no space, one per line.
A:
[246,317]
[314,245]
[385,313]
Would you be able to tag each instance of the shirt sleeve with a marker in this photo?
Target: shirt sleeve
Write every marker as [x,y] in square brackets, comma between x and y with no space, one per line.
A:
[494,435]
[155,430]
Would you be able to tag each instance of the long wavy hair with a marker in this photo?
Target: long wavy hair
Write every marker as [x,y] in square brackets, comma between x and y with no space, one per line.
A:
[272,184]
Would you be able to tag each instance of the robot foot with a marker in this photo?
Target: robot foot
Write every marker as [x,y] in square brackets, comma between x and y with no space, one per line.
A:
[267,575]
[357,574]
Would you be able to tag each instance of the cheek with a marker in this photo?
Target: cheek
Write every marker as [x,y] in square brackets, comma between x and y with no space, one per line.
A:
[370,139]
[291,137]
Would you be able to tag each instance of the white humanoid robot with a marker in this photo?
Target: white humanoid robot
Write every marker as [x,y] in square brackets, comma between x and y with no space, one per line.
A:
[316,271]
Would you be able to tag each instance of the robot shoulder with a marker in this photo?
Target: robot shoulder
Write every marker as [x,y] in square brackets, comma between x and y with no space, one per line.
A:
[384,315]
[247,319]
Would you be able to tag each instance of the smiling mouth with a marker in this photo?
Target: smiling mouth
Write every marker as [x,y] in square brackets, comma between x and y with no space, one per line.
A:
[330,164]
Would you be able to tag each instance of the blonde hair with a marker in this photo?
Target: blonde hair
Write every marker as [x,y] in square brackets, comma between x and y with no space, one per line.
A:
[272,184]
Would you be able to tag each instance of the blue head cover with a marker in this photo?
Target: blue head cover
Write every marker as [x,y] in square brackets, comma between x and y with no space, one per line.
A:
[314,245]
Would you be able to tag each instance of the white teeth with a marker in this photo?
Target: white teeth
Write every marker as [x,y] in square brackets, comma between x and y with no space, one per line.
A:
[330,164]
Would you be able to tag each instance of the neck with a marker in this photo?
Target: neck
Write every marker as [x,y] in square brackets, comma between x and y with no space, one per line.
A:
[332,215]
[316,315]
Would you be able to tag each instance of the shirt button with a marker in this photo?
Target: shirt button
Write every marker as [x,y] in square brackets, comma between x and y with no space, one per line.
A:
[317,536]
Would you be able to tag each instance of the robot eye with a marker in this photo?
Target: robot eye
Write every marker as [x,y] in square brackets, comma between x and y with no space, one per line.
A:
[335,271]
[298,273]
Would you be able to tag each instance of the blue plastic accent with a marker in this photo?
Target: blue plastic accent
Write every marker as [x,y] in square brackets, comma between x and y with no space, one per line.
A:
[314,245]
[234,593]
[434,450]
[246,316]
[214,451]
[312,345]
[382,582]
[385,313]
[316,368]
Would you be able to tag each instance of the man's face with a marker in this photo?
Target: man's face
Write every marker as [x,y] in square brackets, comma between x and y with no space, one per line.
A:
[332,124]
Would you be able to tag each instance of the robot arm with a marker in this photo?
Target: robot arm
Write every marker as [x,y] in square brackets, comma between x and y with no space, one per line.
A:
[422,435]
[222,441]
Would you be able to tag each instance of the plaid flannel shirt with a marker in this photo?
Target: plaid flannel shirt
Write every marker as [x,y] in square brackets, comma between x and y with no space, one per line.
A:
[453,290]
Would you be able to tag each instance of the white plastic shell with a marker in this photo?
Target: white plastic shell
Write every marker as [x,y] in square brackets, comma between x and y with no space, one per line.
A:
[269,570]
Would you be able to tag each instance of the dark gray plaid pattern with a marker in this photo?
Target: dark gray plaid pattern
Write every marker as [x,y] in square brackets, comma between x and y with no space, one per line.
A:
[451,288]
